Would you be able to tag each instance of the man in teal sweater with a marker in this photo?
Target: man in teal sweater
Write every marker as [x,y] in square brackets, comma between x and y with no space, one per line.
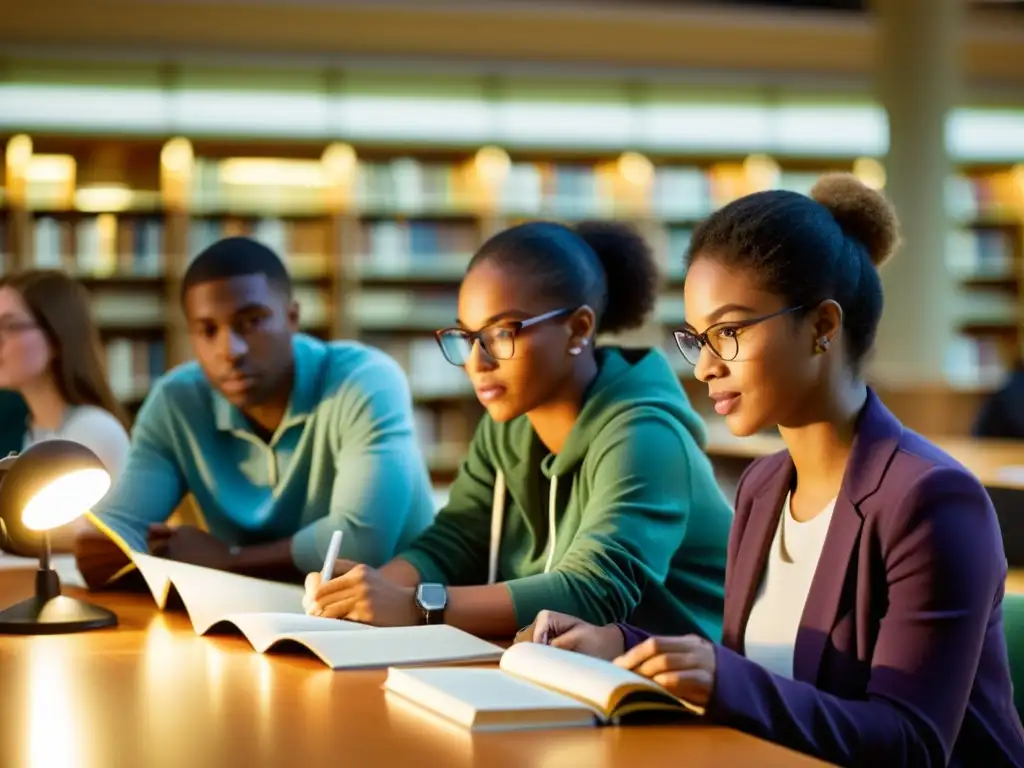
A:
[281,438]
[585,490]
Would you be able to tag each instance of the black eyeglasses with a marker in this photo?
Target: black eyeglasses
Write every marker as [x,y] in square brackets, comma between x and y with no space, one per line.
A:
[721,338]
[498,340]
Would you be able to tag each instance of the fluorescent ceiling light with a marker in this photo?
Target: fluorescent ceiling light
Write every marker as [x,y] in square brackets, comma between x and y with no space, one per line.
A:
[379,118]
[704,127]
[82,108]
[786,129]
[248,113]
[990,134]
[551,123]
[810,129]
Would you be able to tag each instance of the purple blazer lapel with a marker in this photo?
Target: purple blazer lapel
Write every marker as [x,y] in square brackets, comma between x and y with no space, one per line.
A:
[878,435]
[753,554]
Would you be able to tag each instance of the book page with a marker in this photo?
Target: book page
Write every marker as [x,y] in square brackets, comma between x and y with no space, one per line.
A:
[392,646]
[263,629]
[210,595]
[487,699]
[154,571]
[594,681]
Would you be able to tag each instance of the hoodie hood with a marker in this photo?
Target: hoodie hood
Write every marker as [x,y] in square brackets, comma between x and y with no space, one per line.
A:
[627,379]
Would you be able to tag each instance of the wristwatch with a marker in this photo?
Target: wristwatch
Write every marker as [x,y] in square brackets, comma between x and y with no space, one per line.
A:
[432,599]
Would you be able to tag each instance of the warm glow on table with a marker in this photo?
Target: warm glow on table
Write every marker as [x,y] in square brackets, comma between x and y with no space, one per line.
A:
[151,693]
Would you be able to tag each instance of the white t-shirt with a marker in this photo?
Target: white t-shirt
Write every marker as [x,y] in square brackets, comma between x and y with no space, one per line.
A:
[775,617]
[96,429]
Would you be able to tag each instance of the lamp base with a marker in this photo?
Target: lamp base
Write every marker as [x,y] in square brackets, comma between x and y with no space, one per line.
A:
[56,616]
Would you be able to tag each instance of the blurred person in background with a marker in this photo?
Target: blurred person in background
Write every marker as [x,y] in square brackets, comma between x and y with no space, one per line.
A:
[1002,413]
[51,355]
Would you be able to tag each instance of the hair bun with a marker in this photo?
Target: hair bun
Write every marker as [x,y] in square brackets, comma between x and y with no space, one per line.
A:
[861,212]
[630,270]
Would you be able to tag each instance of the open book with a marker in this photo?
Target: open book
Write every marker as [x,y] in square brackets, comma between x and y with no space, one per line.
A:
[536,686]
[270,616]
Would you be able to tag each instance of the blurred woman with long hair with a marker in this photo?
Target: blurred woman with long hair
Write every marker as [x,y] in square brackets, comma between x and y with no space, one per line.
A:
[50,353]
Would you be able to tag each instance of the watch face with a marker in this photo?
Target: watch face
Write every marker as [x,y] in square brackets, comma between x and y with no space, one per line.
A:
[433,597]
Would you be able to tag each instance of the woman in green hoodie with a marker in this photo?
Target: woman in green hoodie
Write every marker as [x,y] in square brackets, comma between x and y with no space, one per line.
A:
[585,489]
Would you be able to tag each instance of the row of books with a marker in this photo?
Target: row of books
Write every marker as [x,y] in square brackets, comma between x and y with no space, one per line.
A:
[112,245]
[133,365]
[983,253]
[407,185]
[973,361]
[999,196]
[103,244]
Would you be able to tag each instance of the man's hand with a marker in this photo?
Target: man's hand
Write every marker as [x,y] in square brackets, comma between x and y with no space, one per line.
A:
[97,557]
[188,544]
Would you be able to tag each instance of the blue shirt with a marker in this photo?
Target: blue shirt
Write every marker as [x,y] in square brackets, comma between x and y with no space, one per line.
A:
[344,457]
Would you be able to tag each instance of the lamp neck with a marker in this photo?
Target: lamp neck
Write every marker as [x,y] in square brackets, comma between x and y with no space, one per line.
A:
[45,553]
[47,580]
[47,585]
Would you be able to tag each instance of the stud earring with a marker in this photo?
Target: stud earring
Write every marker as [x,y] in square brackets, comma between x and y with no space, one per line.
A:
[823,344]
[575,350]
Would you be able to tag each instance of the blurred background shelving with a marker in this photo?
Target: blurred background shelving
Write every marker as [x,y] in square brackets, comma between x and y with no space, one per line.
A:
[378,212]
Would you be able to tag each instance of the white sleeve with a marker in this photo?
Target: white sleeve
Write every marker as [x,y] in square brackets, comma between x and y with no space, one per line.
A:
[99,431]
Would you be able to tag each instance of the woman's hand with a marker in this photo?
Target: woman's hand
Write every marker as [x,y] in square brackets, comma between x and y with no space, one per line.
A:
[314,580]
[685,666]
[361,594]
[572,634]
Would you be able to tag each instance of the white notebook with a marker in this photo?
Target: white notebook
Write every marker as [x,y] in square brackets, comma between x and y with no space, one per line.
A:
[270,616]
[536,686]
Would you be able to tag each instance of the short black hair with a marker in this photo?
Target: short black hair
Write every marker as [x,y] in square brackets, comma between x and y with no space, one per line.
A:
[811,249]
[606,265]
[234,257]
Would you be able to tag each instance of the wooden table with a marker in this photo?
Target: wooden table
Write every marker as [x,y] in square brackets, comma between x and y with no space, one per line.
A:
[152,694]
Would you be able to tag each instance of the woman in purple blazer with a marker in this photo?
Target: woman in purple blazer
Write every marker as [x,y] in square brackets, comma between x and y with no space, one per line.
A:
[865,574]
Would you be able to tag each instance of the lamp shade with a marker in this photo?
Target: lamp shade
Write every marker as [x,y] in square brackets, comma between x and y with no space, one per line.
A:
[47,486]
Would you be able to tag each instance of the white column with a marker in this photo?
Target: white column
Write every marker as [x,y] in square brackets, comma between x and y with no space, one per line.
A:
[918,71]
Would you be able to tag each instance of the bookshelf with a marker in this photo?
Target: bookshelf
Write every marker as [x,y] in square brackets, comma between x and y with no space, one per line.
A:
[987,259]
[377,238]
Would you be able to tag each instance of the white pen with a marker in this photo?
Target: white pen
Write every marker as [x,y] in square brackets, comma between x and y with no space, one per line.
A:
[332,556]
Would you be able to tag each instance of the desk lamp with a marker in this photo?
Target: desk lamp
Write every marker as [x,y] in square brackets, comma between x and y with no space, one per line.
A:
[45,487]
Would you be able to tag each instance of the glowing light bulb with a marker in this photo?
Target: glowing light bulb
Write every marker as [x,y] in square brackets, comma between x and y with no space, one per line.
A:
[176,155]
[762,171]
[19,151]
[492,164]
[636,168]
[339,159]
[870,172]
